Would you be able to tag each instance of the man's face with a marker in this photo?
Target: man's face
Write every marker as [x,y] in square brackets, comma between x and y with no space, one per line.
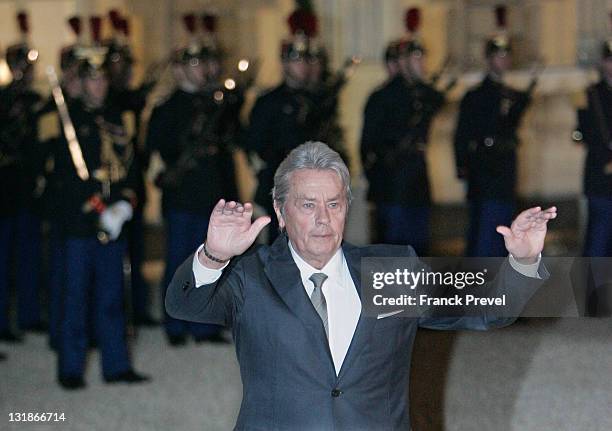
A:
[606,67]
[314,214]
[411,65]
[95,89]
[297,70]
[192,74]
[499,62]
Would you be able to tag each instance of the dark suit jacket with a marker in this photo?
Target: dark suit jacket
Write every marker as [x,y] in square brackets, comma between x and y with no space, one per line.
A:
[288,376]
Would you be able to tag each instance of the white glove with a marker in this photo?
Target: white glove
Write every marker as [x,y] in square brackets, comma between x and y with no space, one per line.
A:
[113,217]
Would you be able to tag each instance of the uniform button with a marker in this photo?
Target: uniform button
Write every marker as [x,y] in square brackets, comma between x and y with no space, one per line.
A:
[336,392]
[489,142]
[186,285]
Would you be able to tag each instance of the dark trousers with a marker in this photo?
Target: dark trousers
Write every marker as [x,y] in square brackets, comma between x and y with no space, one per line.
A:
[185,232]
[56,279]
[20,240]
[598,242]
[97,270]
[482,238]
[139,287]
[398,224]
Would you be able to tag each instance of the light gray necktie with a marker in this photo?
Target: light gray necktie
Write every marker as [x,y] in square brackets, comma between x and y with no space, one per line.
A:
[318,299]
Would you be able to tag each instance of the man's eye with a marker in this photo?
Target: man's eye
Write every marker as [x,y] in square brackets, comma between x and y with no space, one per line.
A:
[333,204]
[308,205]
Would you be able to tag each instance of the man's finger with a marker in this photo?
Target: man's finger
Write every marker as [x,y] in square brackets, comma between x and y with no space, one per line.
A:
[248,209]
[504,230]
[257,226]
[219,207]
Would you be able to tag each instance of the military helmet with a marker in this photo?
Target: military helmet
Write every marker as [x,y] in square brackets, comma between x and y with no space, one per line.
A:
[21,53]
[210,44]
[92,57]
[411,43]
[303,26]
[118,45]
[69,55]
[499,43]
[191,54]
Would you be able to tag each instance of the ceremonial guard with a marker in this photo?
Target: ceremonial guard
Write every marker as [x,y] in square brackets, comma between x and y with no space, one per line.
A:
[396,126]
[71,86]
[118,63]
[194,132]
[20,168]
[485,146]
[324,88]
[281,119]
[595,132]
[94,168]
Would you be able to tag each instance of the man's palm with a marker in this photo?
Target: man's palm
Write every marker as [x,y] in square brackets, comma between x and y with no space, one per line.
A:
[230,230]
[524,239]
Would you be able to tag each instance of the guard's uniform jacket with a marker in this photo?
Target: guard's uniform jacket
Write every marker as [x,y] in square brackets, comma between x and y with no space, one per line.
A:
[486,139]
[194,137]
[395,132]
[108,153]
[20,157]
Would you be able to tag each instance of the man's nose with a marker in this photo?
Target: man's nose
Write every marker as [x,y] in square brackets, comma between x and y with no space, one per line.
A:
[322,215]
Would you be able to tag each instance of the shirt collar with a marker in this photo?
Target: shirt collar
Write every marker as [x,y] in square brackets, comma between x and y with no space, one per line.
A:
[333,268]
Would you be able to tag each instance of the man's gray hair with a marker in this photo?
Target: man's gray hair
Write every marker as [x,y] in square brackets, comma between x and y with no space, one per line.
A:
[311,155]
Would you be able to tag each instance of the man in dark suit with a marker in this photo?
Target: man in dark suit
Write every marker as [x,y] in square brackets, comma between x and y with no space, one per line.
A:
[309,358]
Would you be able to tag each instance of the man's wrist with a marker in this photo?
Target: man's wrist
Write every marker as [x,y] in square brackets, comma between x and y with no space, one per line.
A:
[208,263]
[210,259]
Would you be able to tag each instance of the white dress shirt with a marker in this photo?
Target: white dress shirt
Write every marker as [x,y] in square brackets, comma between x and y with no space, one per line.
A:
[343,302]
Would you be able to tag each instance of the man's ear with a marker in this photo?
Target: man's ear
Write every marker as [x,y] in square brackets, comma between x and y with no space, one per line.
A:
[279,215]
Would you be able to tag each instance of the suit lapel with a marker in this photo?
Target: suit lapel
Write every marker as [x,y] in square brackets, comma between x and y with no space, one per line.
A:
[365,325]
[284,276]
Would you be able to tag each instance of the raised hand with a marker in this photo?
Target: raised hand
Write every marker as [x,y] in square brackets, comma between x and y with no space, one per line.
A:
[524,239]
[230,231]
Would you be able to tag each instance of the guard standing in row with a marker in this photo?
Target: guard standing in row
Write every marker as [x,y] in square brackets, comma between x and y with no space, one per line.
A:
[485,147]
[281,118]
[324,88]
[396,126]
[193,131]
[71,86]
[97,180]
[595,132]
[20,168]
